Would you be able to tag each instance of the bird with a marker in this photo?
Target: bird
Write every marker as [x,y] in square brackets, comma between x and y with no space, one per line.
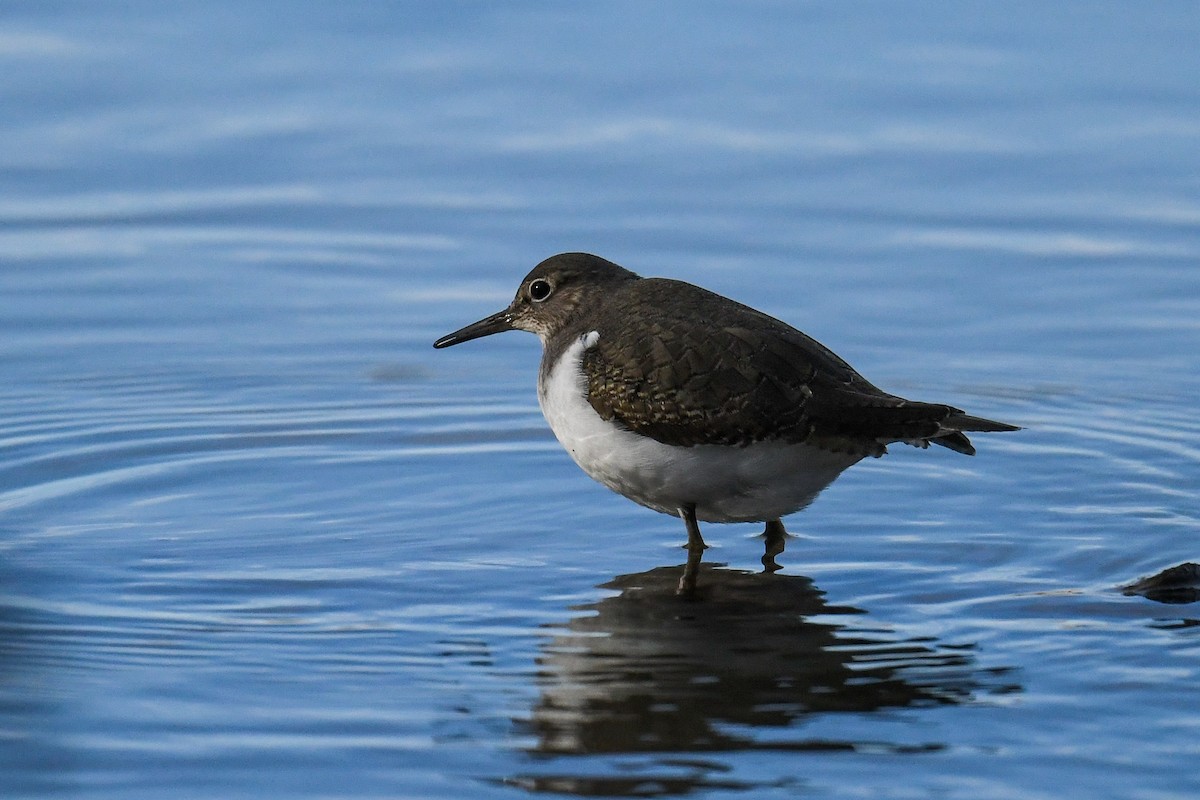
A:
[700,407]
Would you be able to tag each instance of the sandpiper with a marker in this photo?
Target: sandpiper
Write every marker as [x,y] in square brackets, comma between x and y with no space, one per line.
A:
[695,405]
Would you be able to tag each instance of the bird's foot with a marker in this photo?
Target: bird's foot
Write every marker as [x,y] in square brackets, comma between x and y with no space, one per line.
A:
[691,571]
[695,548]
[775,541]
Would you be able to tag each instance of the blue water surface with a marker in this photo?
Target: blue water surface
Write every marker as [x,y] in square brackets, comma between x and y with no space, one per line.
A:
[259,539]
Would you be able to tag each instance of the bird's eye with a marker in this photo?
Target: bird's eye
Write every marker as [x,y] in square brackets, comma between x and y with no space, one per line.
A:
[539,290]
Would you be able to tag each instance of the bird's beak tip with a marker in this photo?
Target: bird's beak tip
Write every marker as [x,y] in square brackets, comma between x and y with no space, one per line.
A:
[497,323]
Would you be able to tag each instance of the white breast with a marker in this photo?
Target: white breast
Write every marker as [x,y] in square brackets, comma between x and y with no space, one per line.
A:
[762,481]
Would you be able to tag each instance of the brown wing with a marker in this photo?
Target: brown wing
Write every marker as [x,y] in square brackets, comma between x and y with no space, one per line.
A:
[727,374]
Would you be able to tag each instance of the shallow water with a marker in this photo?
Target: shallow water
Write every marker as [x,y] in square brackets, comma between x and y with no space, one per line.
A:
[258,539]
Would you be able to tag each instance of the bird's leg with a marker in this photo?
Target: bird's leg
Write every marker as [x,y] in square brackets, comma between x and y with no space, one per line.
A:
[695,548]
[775,541]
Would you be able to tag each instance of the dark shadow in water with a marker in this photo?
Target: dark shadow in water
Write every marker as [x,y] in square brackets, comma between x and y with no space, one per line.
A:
[739,666]
[34,762]
[1176,585]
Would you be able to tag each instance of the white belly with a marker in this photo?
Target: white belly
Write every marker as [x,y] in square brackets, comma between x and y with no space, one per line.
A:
[760,482]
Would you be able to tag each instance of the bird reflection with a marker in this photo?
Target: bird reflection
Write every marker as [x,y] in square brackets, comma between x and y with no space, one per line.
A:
[737,665]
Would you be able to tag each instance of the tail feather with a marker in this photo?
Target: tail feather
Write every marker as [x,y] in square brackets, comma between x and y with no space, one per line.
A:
[956,423]
[843,419]
[957,441]
[965,422]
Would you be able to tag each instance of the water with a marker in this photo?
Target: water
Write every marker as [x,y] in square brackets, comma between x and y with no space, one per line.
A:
[258,539]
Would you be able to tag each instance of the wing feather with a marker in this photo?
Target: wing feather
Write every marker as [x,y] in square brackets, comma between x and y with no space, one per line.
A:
[729,375]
